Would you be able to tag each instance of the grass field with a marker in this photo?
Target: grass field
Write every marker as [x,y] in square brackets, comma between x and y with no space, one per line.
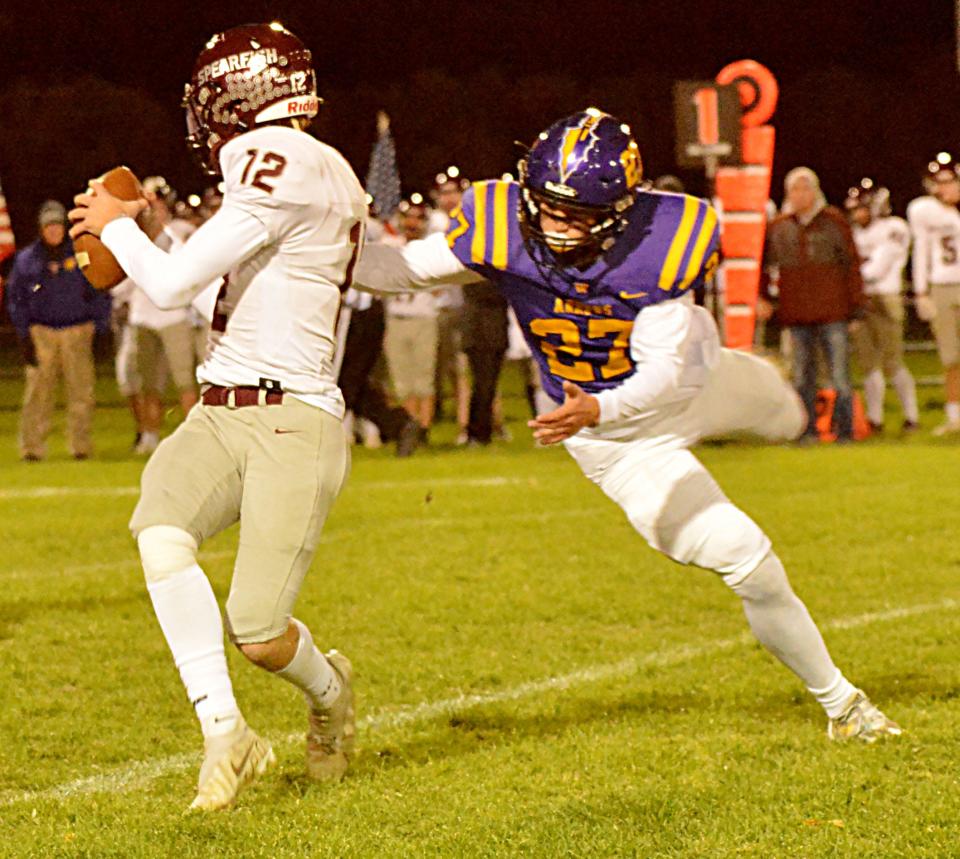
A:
[533,680]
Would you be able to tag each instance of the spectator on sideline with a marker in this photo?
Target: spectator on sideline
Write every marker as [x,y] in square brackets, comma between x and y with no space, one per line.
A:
[451,368]
[484,342]
[56,313]
[178,219]
[411,338]
[129,382]
[935,222]
[883,242]
[811,258]
[362,392]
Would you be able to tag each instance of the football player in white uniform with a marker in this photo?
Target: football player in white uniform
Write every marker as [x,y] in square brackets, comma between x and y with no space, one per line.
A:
[600,276]
[265,446]
[935,222]
[883,242]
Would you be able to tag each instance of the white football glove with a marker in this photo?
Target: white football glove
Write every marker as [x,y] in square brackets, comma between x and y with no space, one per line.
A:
[926,309]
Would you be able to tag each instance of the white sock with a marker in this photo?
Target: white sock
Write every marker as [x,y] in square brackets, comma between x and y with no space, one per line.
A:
[873,391]
[906,389]
[782,624]
[310,671]
[190,619]
[953,412]
[833,697]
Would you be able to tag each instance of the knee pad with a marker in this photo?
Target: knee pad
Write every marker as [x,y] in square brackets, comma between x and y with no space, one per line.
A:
[767,583]
[165,551]
[721,538]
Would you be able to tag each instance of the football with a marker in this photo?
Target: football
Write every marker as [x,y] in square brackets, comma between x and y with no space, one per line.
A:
[98,265]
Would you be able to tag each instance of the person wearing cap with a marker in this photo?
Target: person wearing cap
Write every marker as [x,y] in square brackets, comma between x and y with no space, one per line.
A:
[164,340]
[55,313]
[883,241]
[812,271]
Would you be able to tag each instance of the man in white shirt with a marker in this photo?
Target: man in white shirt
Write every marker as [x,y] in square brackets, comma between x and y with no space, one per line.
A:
[265,446]
[883,242]
[935,222]
[164,344]
[410,342]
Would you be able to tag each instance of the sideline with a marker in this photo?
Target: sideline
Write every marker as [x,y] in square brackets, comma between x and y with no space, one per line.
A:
[32,492]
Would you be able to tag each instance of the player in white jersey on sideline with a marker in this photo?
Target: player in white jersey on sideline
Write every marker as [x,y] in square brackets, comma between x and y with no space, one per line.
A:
[883,242]
[935,222]
[265,446]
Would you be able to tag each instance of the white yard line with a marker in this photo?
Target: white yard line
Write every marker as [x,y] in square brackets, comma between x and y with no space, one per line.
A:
[132,563]
[142,772]
[29,493]
[331,536]
[32,492]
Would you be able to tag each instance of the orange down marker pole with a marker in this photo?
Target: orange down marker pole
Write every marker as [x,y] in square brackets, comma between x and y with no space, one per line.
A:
[742,193]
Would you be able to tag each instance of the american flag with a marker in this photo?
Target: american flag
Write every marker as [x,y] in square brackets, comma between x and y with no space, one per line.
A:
[383,175]
[7,246]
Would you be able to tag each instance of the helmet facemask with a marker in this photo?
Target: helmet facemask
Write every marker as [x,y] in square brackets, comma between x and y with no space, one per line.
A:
[600,228]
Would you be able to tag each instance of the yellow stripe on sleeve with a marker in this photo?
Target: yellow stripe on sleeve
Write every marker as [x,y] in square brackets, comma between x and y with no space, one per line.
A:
[479,246]
[671,265]
[501,229]
[700,248]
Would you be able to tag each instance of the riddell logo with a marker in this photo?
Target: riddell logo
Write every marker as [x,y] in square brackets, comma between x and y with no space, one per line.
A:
[303,105]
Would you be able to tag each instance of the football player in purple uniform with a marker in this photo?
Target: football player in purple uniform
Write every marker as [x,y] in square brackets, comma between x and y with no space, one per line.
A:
[600,275]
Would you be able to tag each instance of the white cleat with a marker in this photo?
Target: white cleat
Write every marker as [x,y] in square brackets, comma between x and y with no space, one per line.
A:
[945,429]
[861,720]
[231,762]
[332,731]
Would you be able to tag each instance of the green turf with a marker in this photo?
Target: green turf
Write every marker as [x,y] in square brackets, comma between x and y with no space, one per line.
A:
[483,573]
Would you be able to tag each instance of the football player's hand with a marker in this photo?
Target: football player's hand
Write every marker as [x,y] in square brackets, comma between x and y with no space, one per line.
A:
[579,410]
[98,207]
[925,307]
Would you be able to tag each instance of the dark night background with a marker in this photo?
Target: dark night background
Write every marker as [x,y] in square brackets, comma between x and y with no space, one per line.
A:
[866,88]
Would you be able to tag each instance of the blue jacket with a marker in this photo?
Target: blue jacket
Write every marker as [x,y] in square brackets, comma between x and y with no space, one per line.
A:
[45,288]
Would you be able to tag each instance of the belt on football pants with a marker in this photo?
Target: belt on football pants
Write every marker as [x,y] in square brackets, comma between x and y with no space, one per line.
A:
[242,395]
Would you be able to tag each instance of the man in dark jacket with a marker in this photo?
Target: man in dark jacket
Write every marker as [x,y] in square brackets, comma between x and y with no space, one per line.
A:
[812,271]
[55,312]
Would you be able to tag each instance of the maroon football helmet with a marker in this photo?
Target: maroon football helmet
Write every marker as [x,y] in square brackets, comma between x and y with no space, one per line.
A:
[245,77]
[869,195]
[944,168]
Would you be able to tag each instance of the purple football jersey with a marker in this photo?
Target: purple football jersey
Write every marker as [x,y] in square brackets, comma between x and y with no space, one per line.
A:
[578,327]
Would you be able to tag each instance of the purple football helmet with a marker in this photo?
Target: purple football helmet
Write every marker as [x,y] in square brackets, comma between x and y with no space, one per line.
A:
[588,164]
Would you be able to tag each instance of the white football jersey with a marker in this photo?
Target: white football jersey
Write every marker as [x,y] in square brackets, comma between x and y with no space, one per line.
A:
[884,245]
[936,243]
[285,241]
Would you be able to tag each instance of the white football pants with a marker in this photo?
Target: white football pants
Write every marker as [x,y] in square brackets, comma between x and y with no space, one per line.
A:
[667,494]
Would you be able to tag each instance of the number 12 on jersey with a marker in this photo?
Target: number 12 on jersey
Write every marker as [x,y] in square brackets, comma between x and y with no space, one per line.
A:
[272,165]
